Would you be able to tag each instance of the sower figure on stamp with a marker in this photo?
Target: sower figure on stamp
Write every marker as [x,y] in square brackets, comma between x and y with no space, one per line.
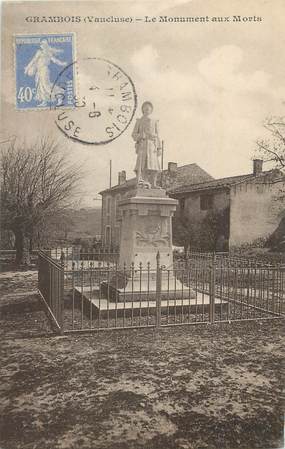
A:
[38,67]
[148,148]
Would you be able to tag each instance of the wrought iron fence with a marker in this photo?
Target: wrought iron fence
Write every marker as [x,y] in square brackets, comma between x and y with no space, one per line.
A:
[80,255]
[100,297]
[229,258]
[249,288]
[98,294]
[51,287]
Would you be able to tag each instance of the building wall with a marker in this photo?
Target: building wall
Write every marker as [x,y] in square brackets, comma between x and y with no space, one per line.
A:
[172,177]
[200,234]
[111,218]
[192,204]
[254,213]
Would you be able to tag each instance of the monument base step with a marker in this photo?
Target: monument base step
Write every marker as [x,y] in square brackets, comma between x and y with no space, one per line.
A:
[137,290]
[107,308]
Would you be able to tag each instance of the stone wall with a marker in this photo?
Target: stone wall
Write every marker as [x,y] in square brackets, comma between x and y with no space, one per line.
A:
[192,205]
[254,211]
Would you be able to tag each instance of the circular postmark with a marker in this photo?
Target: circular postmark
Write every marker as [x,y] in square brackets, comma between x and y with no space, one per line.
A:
[102,105]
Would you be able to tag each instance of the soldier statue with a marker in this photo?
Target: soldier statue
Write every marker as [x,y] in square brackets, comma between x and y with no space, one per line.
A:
[148,148]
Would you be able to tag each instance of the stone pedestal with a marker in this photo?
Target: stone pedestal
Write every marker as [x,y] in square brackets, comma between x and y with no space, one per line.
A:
[146,228]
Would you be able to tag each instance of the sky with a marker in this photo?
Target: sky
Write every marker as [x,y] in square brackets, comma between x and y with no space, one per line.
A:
[212,84]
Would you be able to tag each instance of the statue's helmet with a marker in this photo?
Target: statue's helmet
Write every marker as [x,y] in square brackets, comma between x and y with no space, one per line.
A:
[147,103]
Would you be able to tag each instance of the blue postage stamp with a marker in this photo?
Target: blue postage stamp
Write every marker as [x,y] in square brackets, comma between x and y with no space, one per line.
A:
[39,60]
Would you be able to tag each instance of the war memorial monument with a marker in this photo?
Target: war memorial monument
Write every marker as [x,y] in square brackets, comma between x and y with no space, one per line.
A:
[146,225]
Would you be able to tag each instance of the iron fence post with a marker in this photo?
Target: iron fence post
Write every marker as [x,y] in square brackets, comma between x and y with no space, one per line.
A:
[212,289]
[61,293]
[50,287]
[158,291]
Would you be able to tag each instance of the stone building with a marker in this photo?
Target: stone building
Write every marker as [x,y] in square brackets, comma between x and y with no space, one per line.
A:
[171,178]
[244,207]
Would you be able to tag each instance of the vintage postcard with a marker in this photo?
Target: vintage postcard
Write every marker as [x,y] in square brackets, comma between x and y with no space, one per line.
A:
[142,224]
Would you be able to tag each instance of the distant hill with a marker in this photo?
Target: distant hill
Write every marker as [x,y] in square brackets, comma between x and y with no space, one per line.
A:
[64,228]
[84,223]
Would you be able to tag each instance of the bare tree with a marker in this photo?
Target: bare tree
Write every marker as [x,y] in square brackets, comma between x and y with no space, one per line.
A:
[272,149]
[37,182]
[55,229]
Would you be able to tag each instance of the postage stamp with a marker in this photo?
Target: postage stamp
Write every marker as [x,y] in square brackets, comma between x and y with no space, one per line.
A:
[105,103]
[38,61]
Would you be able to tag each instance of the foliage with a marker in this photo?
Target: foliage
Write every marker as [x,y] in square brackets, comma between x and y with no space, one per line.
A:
[259,250]
[215,230]
[181,231]
[209,234]
[276,241]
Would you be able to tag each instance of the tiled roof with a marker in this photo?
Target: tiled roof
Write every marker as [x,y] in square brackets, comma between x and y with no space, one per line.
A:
[124,186]
[186,174]
[219,183]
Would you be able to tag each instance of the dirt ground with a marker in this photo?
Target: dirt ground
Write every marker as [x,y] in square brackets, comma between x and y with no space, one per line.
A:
[189,387]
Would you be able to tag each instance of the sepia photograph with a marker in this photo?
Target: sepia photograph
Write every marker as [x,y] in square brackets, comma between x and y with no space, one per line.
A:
[142,224]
